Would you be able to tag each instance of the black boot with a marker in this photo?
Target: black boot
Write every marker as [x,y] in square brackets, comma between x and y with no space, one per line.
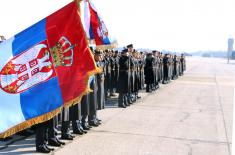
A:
[85,126]
[53,142]
[42,149]
[67,136]
[76,129]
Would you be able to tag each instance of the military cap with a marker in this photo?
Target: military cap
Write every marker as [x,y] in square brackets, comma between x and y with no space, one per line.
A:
[98,52]
[124,50]
[154,51]
[130,46]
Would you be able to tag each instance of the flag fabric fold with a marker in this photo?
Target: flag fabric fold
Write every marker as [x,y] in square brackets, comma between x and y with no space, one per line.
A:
[96,29]
[43,68]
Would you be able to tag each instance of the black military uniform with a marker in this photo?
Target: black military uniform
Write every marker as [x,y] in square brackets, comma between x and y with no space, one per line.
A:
[183,63]
[165,69]
[155,70]
[113,79]
[107,82]
[141,67]
[123,86]
[131,97]
[149,72]
[65,126]
[175,68]
[41,137]
[104,62]
[161,67]
[116,69]
[85,103]
[75,117]
[52,132]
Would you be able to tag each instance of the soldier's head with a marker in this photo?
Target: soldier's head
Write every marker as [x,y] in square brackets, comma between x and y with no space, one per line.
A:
[98,55]
[125,52]
[106,53]
[130,48]
[149,55]
[111,53]
[154,53]
[116,53]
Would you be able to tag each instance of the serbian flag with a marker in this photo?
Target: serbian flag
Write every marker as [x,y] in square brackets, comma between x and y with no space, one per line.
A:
[95,27]
[43,68]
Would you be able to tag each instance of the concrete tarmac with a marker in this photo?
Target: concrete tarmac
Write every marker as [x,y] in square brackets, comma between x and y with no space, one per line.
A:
[189,116]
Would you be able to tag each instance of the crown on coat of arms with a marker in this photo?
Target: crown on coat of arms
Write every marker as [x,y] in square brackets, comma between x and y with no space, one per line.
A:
[62,53]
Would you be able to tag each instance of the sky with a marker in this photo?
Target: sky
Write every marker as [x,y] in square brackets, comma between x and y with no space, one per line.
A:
[175,25]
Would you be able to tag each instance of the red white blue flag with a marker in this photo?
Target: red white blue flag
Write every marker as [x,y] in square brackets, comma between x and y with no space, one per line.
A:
[43,68]
[95,27]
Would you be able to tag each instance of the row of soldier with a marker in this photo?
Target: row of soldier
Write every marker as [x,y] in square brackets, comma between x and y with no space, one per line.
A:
[124,73]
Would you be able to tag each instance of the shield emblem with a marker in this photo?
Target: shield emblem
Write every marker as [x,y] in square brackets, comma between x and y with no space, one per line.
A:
[27,69]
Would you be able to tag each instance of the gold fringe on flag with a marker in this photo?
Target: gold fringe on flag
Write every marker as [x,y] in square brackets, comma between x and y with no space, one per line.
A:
[30,123]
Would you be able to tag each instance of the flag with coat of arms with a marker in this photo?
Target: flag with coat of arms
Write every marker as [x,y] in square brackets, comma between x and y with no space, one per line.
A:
[43,68]
[96,29]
